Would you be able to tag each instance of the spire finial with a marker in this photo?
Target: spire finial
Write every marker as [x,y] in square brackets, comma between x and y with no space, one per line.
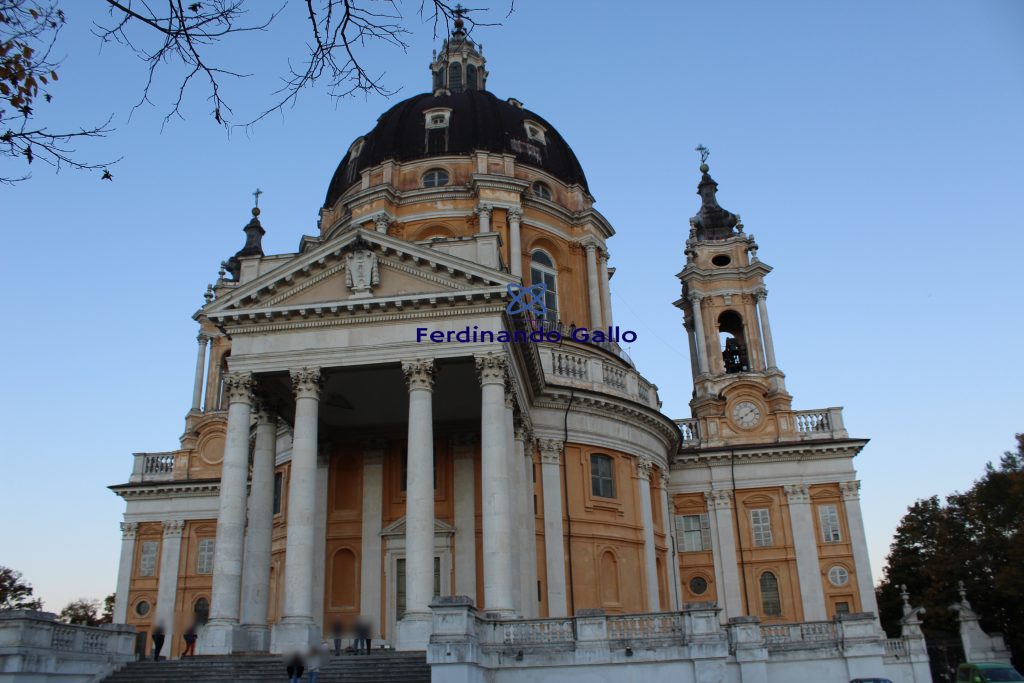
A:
[256,209]
[704,154]
[459,12]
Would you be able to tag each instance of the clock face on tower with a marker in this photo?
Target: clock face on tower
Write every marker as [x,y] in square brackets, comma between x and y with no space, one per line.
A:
[746,414]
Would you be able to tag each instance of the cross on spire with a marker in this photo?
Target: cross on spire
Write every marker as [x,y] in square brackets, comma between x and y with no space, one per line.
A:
[257,194]
[704,153]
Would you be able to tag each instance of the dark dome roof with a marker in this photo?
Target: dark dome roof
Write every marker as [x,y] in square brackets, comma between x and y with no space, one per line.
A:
[478,120]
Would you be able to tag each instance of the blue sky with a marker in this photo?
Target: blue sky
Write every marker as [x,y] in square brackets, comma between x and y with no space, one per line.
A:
[873,148]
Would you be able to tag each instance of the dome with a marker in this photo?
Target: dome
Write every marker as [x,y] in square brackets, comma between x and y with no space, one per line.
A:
[477,121]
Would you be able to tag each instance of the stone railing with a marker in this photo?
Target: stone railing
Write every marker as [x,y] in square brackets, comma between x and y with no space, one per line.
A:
[821,423]
[691,432]
[572,366]
[643,627]
[34,645]
[896,647]
[153,467]
[806,634]
[527,632]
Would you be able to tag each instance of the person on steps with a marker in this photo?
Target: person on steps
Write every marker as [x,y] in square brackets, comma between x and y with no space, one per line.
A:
[337,632]
[158,641]
[190,642]
[294,667]
[315,660]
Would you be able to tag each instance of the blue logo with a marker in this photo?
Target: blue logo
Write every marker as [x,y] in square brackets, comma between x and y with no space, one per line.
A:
[528,300]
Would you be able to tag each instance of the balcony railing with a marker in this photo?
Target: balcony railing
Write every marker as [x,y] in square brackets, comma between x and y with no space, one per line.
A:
[153,467]
[806,634]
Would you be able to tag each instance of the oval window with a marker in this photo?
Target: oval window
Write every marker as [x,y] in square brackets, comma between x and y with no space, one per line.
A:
[435,177]
[142,608]
[721,260]
[698,585]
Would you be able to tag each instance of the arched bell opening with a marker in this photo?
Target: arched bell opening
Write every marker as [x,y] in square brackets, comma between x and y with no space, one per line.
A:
[733,342]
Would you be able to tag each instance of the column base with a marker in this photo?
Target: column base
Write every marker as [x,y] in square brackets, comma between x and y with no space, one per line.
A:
[258,637]
[222,638]
[414,631]
[294,636]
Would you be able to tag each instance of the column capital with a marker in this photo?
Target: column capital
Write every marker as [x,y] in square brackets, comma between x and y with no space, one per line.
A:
[719,498]
[510,394]
[797,493]
[128,529]
[664,480]
[521,431]
[643,468]
[419,374]
[483,208]
[173,527]
[202,338]
[382,221]
[264,413]
[515,214]
[306,382]
[850,489]
[761,293]
[604,255]
[694,297]
[491,368]
[239,387]
[590,246]
[550,451]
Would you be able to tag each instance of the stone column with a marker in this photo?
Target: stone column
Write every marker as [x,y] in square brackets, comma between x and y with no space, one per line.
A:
[256,561]
[593,287]
[124,571]
[414,629]
[805,542]
[483,211]
[197,389]
[700,341]
[723,545]
[167,586]
[464,451]
[373,497]
[515,247]
[515,473]
[323,475]
[296,629]
[688,326]
[670,541]
[643,483]
[496,508]
[527,524]
[606,293]
[554,533]
[223,634]
[210,401]
[766,328]
[851,503]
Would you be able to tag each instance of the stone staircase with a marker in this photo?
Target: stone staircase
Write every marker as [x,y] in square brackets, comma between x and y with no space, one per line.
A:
[379,667]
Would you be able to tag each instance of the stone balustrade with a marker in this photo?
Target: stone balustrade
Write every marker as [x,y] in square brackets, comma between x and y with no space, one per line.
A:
[691,432]
[35,646]
[152,467]
[795,636]
[896,647]
[797,425]
[574,366]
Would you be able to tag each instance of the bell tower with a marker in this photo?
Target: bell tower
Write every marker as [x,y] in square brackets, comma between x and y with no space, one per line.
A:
[739,392]
[460,65]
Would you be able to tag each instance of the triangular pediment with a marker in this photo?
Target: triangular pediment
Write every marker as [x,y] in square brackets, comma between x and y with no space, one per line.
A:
[397,528]
[362,271]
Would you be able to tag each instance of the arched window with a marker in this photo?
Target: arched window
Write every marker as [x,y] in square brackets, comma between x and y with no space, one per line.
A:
[734,342]
[201,610]
[471,77]
[602,476]
[542,269]
[455,77]
[435,177]
[771,601]
[541,190]
[344,579]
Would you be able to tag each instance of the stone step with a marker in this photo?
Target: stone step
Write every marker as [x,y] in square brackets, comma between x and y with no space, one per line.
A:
[388,667]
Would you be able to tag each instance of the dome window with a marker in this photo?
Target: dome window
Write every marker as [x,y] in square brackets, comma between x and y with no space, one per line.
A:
[541,190]
[535,132]
[455,77]
[435,177]
[356,149]
[543,270]
[471,83]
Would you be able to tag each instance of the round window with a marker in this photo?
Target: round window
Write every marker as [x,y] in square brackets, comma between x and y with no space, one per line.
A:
[721,260]
[698,585]
[838,576]
[142,608]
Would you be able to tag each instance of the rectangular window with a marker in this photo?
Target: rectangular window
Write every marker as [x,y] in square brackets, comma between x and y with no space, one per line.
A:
[147,558]
[278,484]
[828,516]
[693,532]
[761,527]
[204,557]
[602,477]
[842,608]
[400,584]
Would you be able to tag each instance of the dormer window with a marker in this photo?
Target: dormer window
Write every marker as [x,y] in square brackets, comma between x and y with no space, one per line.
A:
[535,132]
[356,148]
[436,123]
[436,118]
[435,177]
[541,190]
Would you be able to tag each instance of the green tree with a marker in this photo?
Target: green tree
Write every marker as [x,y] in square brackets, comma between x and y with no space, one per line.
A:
[15,593]
[108,609]
[976,537]
[81,611]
